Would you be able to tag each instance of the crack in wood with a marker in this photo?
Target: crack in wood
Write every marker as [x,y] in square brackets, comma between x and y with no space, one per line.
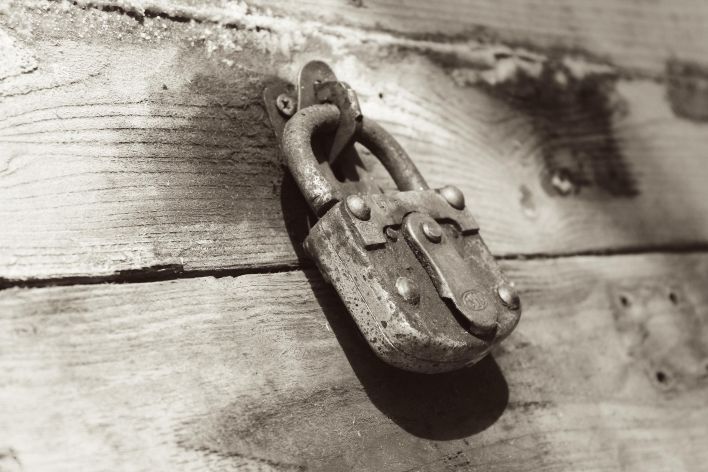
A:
[165,272]
[687,248]
[156,273]
[472,48]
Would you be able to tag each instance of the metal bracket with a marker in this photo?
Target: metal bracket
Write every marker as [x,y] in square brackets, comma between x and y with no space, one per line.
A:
[280,105]
[318,84]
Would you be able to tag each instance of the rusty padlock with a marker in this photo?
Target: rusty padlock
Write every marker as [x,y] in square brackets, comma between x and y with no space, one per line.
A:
[410,266]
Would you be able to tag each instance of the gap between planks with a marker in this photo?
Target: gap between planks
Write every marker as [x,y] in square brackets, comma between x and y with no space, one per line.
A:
[166,272]
[158,273]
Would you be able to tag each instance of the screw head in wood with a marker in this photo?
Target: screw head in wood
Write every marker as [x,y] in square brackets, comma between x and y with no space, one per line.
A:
[432,231]
[285,104]
[358,207]
[563,183]
[453,195]
[408,290]
[509,296]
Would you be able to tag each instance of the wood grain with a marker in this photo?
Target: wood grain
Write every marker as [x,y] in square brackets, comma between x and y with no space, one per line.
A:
[143,144]
[267,372]
[635,35]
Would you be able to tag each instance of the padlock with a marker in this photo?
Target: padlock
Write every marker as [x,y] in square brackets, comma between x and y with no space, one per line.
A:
[410,265]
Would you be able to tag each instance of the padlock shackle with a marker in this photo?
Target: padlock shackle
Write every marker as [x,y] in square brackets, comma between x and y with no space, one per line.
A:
[318,190]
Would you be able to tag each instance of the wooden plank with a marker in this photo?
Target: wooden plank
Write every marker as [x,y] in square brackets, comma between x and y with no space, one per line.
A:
[132,145]
[636,35]
[608,369]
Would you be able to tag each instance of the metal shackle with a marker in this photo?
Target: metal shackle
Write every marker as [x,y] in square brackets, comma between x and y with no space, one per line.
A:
[318,190]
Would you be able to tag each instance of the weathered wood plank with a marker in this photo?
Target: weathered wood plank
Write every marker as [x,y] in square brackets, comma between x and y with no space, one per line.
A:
[607,370]
[633,34]
[127,145]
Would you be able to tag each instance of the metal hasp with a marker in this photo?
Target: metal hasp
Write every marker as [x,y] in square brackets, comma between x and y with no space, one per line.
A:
[409,265]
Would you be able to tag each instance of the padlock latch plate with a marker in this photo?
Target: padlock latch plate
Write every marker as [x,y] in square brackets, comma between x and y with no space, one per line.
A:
[455,278]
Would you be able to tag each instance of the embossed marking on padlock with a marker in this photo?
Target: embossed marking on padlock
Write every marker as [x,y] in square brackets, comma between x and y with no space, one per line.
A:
[410,266]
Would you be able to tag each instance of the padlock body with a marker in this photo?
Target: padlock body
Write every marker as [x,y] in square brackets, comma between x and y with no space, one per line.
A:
[409,325]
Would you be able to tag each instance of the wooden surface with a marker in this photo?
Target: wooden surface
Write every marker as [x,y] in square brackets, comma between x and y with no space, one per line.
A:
[134,148]
[267,372]
[122,153]
[636,35]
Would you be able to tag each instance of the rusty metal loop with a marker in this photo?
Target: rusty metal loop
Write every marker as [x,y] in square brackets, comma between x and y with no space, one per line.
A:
[318,190]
